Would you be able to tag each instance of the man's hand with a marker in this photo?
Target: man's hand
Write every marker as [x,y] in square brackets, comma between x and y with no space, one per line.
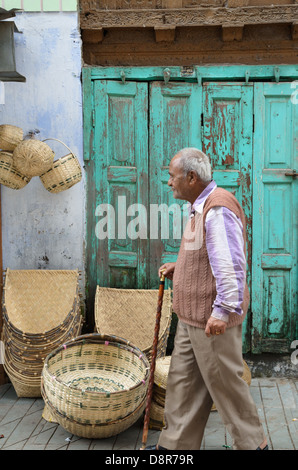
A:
[168,270]
[215,327]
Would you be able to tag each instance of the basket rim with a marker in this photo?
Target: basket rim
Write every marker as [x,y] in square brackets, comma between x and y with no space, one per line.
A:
[98,339]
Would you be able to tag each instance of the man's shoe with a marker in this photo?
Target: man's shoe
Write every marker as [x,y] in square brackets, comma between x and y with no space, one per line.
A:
[265,448]
[155,447]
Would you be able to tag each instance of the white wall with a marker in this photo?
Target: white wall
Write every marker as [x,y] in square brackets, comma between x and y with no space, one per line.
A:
[41,230]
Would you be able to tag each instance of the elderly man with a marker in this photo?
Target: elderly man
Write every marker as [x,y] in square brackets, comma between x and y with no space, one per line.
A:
[210,298]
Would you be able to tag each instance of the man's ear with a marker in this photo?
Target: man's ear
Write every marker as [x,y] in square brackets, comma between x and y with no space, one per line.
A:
[192,177]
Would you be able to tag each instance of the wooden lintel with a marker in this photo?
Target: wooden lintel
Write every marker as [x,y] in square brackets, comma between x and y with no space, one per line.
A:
[232,33]
[165,33]
[92,36]
[201,16]
[294,30]
[172,3]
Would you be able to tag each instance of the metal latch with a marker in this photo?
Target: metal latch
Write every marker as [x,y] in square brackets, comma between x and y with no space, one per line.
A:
[293,174]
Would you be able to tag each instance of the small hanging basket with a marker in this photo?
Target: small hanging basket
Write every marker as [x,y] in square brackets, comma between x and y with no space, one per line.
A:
[10,176]
[10,137]
[64,174]
[33,157]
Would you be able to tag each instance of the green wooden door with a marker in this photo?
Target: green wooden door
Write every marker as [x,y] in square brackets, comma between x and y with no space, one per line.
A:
[118,182]
[227,140]
[137,129]
[275,200]
[175,116]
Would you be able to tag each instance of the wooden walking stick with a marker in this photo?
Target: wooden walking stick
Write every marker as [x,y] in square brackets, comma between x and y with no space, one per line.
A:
[153,360]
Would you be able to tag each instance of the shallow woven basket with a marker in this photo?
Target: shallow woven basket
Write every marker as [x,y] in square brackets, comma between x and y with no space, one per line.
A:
[33,157]
[65,173]
[91,431]
[10,136]
[9,175]
[131,314]
[96,379]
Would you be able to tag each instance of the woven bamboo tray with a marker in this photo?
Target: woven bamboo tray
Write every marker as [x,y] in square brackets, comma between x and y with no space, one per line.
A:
[36,302]
[91,431]
[95,379]
[131,314]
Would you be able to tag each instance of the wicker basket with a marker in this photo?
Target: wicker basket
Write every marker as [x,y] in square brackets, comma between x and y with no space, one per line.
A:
[10,137]
[96,379]
[131,314]
[41,311]
[10,176]
[64,174]
[33,157]
[91,431]
[156,418]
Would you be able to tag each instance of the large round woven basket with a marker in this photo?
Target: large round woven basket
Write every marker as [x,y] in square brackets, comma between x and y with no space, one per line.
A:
[9,175]
[96,379]
[65,173]
[33,157]
[131,314]
[10,137]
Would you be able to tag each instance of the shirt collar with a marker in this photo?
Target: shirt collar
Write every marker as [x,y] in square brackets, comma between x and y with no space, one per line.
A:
[200,201]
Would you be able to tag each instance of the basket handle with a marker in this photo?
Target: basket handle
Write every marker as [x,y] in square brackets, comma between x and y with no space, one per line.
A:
[51,138]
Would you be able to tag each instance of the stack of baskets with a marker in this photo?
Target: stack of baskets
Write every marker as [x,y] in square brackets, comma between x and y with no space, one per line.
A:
[41,311]
[131,314]
[95,385]
[10,176]
[22,159]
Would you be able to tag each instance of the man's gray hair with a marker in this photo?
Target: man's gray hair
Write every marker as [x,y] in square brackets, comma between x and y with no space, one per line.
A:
[192,159]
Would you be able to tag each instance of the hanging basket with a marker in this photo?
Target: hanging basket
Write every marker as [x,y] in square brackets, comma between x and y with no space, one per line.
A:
[64,174]
[10,137]
[33,157]
[10,176]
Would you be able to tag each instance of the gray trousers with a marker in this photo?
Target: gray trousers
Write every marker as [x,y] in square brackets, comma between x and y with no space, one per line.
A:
[204,371]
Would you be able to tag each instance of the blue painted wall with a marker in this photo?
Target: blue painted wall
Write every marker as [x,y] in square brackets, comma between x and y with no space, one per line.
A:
[43,230]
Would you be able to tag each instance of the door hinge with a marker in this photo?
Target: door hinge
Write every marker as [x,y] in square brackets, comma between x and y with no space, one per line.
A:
[93,118]
[253,123]
[202,120]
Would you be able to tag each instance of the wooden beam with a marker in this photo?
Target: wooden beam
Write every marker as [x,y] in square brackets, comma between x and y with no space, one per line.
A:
[232,33]
[93,36]
[201,16]
[165,33]
[294,30]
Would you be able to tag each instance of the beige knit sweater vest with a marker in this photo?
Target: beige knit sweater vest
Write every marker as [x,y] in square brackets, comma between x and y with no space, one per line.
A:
[194,286]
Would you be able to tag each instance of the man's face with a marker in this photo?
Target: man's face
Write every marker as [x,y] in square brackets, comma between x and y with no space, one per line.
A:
[177,180]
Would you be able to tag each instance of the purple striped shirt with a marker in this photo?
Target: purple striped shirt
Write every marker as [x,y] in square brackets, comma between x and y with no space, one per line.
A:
[225,246]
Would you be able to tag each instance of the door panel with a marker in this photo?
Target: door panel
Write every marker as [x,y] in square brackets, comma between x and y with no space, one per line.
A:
[227,140]
[175,113]
[275,216]
[121,178]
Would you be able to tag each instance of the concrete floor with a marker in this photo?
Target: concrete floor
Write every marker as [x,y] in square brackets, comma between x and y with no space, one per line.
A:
[23,427]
